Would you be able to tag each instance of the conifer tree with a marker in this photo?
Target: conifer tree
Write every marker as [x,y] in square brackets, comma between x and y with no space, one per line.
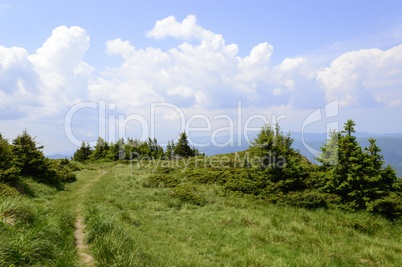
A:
[358,176]
[182,148]
[83,153]
[28,157]
[101,149]
[170,150]
[283,166]
[8,172]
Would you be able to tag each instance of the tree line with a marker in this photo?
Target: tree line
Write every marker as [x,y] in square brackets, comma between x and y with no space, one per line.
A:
[135,149]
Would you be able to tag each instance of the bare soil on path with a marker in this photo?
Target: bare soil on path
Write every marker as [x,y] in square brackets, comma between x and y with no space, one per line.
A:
[86,259]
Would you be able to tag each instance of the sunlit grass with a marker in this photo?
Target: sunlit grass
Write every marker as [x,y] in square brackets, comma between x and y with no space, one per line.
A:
[133,225]
[130,222]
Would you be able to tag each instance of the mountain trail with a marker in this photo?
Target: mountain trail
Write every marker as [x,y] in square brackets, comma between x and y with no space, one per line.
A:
[86,259]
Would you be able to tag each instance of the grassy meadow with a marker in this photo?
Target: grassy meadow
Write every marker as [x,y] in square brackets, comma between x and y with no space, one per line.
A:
[130,221]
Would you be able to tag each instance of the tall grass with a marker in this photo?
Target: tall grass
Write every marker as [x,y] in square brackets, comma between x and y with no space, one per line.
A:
[131,223]
[35,232]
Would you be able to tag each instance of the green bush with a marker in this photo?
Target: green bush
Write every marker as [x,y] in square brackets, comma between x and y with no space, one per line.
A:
[389,206]
[310,199]
[160,180]
[189,193]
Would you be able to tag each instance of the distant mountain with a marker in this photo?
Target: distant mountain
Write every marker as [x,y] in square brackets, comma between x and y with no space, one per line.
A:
[61,155]
[58,156]
[391,145]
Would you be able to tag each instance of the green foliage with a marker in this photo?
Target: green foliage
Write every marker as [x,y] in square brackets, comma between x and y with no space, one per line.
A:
[188,193]
[8,171]
[357,176]
[35,233]
[284,167]
[25,159]
[27,156]
[101,149]
[182,148]
[161,180]
[132,225]
[61,171]
[83,153]
[169,153]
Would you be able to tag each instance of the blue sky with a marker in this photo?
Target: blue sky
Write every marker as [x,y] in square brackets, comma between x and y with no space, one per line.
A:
[282,60]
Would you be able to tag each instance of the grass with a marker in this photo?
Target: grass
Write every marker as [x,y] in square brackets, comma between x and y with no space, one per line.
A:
[133,220]
[132,224]
[36,231]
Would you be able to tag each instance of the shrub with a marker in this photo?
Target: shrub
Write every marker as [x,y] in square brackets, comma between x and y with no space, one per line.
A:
[188,193]
[161,180]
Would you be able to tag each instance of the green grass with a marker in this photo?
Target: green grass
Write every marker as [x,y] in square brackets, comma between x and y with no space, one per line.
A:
[130,223]
[133,219]
[36,231]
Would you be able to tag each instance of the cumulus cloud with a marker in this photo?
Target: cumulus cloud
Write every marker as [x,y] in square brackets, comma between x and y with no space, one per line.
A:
[366,77]
[185,30]
[47,82]
[18,83]
[61,69]
[203,71]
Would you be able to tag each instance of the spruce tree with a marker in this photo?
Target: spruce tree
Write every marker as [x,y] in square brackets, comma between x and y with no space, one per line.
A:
[357,176]
[8,172]
[182,148]
[83,153]
[169,153]
[28,157]
[284,168]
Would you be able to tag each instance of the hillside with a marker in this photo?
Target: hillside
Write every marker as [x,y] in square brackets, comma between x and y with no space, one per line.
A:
[135,224]
[266,206]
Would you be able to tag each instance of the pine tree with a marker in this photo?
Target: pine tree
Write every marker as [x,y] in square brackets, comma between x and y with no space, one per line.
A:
[182,148]
[28,157]
[283,166]
[101,149]
[357,176]
[83,153]
[8,172]
[169,153]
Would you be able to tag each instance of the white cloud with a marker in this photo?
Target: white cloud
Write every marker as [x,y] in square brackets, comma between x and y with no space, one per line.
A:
[18,83]
[47,82]
[62,71]
[186,30]
[364,78]
[201,71]
[201,75]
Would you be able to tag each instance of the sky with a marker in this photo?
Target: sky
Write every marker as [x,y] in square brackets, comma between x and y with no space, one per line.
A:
[71,71]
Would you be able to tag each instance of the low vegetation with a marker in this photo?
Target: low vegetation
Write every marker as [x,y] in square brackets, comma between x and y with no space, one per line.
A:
[138,223]
[146,206]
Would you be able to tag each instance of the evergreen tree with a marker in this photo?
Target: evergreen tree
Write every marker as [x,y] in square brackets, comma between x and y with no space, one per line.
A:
[284,168]
[358,176]
[182,148]
[113,151]
[101,149]
[8,172]
[28,157]
[83,153]
[169,153]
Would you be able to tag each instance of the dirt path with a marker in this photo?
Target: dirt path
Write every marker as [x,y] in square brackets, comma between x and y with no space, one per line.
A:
[86,258]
